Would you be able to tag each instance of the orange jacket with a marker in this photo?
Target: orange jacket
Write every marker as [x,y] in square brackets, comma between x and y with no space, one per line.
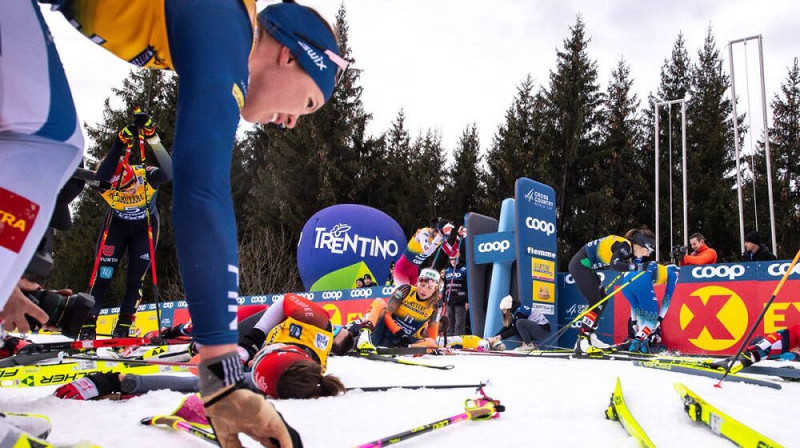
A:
[703,255]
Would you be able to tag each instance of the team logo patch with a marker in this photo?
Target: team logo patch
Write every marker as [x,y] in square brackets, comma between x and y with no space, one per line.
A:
[295,331]
[108,250]
[321,341]
[17,215]
[106,272]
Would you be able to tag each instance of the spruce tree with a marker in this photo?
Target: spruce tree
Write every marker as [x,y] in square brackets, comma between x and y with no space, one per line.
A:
[570,140]
[513,153]
[711,196]
[620,170]
[784,135]
[464,187]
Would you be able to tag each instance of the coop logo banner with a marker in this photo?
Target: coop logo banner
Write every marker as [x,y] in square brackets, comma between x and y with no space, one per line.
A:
[711,273]
[494,247]
[536,219]
[352,239]
[778,270]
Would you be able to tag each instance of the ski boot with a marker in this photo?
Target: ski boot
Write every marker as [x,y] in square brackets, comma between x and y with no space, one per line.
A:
[89,328]
[639,345]
[123,328]
[364,343]
[752,354]
[589,344]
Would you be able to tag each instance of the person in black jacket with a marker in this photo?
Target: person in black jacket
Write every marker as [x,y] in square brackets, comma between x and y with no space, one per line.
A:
[754,250]
[455,293]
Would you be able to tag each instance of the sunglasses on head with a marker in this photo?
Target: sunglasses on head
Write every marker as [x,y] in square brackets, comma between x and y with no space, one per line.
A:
[341,63]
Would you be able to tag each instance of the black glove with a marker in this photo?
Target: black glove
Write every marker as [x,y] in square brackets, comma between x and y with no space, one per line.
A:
[402,338]
[127,134]
[143,120]
[252,342]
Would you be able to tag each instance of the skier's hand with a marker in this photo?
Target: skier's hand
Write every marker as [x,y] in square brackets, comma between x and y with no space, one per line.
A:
[127,134]
[462,231]
[402,338]
[144,121]
[226,411]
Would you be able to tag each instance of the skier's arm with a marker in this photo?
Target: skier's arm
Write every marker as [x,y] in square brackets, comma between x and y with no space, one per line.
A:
[106,169]
[399,294]
[672,278]
[621,256]
[164,173]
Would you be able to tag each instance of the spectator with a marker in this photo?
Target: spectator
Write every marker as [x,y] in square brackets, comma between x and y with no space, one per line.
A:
[455,294]
[527,323]
[755,250]
[368,283]
[390,279]
[359,283]
[701,253]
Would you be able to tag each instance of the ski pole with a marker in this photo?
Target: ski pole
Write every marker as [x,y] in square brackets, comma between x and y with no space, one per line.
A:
[181,424]
[425,386]
[483,408]
[758,321]
[144,362]
[156,296]
[580,315]
[85,344]
[408,362]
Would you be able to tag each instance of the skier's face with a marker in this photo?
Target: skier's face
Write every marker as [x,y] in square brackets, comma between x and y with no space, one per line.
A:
[280,91]
[640,251]
[425,288]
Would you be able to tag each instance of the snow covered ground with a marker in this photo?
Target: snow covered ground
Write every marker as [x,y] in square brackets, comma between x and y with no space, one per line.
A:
[549,402]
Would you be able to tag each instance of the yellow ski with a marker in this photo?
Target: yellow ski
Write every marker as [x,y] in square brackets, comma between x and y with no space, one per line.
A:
[618,410]
[720,423]
[64,372]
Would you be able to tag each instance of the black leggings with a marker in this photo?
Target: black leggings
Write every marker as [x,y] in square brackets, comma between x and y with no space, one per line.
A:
[130,235]
[587,281]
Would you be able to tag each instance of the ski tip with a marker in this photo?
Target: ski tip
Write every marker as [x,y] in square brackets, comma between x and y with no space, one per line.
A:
[147,421]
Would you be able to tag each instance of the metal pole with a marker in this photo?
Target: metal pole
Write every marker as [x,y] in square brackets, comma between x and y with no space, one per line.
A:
[669,161]
[736,146]
[658,247]
[766,146]
[685,175]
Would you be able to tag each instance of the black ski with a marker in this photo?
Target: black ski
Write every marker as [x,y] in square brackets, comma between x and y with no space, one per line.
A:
[704,371]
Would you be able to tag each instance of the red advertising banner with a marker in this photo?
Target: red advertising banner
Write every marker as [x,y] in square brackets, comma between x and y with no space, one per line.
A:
[714,306]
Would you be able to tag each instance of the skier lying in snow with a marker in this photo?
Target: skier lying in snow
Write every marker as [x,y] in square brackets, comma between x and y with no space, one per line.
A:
[782,344]
[466,341]
[284,362]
